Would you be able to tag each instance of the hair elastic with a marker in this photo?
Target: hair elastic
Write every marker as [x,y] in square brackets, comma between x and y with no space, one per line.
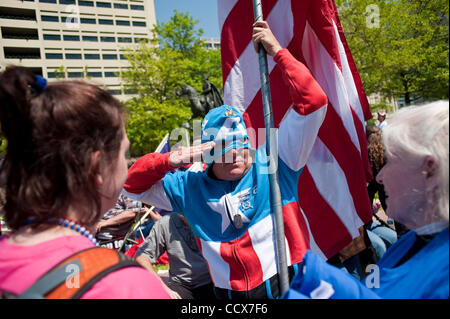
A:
[40,84]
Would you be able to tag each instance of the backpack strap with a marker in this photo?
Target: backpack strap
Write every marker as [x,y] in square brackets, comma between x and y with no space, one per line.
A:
[75,275]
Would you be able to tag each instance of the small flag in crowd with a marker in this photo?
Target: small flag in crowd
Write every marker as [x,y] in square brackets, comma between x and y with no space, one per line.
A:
[164,146]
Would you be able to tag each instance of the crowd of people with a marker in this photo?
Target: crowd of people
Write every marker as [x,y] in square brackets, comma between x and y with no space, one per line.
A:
[66,179]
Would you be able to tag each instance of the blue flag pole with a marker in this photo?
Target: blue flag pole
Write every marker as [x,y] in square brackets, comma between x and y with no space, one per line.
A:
[272,156]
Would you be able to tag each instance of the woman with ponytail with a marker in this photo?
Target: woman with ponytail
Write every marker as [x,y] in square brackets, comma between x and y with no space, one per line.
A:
[64,167]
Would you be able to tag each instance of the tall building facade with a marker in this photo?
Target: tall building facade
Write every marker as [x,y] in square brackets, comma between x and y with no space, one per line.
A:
[74,38]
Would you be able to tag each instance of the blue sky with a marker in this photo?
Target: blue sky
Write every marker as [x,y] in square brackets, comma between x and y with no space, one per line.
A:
[203,10]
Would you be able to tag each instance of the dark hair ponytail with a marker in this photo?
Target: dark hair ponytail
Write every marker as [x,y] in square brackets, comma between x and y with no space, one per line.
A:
[52,135]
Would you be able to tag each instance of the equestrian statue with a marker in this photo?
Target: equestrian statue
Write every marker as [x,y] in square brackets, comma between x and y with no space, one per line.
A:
[202,103]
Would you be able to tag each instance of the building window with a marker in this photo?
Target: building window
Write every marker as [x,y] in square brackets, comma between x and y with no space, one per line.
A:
[103,5]
[57,56]
[50,18]
[139,24]
[27,36]
[87,21]
[66,1]
[19,55]
[17,13]
[73,56]
[94,74]
[90,56]
[136,7]
[52,37]
[105,21]
[122,57]
[90,38]
[47,1]
[71,38]
[124,40]
[107,39]
[115,91]
[75,75]
[130,91]
[110,74]
[55,74]
[137,40]
[86,3]
[120,6]
[52,75]
[122,22]
[109,56]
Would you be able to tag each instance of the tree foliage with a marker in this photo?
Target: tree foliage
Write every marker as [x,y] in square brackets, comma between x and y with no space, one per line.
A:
[148,121]
[179,34]
[400,46]
[174,57]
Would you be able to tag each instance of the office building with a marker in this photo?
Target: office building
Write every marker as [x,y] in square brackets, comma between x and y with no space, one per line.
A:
[74,38]
[212,43]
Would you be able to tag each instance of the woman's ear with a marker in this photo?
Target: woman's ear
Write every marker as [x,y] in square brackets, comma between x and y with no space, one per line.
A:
[95,168]
[430,168]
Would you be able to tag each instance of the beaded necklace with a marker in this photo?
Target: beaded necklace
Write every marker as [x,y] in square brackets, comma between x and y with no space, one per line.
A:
[67,223]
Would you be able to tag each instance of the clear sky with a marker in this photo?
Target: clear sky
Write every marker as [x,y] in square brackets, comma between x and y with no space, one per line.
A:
[203,10]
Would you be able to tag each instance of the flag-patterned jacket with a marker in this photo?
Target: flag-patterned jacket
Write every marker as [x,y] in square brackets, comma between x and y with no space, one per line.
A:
[241,256]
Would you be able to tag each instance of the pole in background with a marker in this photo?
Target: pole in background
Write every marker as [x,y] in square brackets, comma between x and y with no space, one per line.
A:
[272,155]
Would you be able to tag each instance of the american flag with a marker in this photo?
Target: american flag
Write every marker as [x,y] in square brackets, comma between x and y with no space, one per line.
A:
[332,187]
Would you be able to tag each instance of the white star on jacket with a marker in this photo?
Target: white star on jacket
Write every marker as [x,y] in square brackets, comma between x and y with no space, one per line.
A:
[233,202]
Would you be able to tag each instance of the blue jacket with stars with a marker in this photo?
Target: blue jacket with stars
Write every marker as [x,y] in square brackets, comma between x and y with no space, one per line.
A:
[232,219]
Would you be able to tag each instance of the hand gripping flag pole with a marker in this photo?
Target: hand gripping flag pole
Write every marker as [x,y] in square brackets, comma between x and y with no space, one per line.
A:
[272,156]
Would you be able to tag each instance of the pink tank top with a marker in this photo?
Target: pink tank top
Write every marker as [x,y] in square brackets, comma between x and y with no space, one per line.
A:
[21,266]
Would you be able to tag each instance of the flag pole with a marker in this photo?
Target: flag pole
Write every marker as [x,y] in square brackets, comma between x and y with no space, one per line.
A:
[272,155]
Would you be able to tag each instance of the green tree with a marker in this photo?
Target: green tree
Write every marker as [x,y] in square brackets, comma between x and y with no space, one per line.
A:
[179,34]
[158,68]
[148,121]
[399,46]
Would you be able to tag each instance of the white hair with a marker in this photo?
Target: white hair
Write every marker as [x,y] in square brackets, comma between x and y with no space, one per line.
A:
[420,131]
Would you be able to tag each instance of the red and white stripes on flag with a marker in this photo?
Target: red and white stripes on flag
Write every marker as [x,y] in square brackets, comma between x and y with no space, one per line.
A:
[332,187]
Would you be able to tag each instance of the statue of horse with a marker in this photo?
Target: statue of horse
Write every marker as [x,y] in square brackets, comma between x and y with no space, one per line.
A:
[199,107]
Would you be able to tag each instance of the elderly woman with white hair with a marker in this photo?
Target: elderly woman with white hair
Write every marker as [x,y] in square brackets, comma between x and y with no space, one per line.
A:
[416,181]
